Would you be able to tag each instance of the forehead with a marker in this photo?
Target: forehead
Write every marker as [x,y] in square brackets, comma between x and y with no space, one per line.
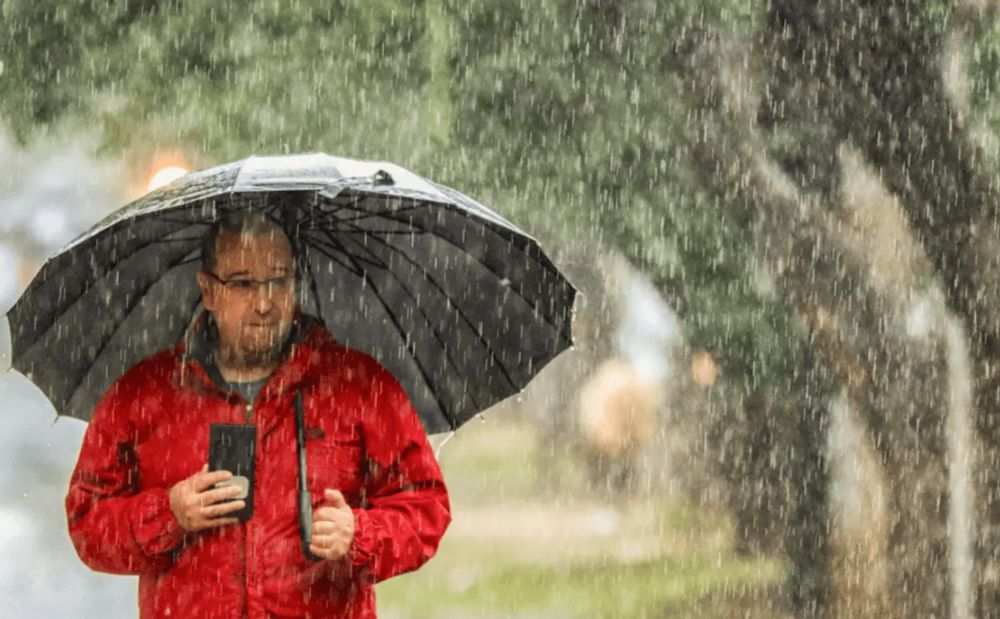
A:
[237,250]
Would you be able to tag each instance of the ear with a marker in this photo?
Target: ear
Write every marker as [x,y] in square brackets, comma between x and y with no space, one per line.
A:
[207,291]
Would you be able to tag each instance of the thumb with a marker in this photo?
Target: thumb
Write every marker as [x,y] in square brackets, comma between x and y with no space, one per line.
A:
[335,497]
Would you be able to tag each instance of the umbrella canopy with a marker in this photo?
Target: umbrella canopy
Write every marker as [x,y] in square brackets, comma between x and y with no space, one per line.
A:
[462,306]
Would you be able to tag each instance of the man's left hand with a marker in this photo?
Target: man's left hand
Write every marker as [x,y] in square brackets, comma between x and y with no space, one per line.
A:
[332,527]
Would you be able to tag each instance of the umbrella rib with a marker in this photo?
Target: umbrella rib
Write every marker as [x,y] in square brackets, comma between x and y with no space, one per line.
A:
[437,335]
[370,215]
[364,231]
[534,306]
[546,265]
[440,289]
[190,312]
[306,266]
[459,247]
[315,292]
[418,204]
[136,302]
[109,269]
[320,245]
[327,222]
[390,215]
[395,321]
[186,239]
[332,201]
[363,214]
[169,220]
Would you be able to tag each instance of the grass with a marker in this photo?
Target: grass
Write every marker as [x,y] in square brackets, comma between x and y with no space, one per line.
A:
[515,550]
[598,590]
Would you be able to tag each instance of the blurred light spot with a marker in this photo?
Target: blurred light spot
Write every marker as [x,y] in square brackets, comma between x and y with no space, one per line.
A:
[460,580]
[13,525]
[26,271]
[603,521]
[648,329]
[50,226]
[165,176]
[704,371]
[9,284]
[920,318]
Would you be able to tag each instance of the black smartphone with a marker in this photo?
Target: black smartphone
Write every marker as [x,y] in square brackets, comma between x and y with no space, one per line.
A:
[231,447]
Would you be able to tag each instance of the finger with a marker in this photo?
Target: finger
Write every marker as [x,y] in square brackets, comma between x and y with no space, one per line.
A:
[215,495]
[326,541]
[324,527]
[201,481]
[323,553]
[333,551]
[335,497]
[221,509]
[330,514]
[328,552]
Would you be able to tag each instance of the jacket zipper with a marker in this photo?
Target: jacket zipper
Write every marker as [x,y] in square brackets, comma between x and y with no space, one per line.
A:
[248,416]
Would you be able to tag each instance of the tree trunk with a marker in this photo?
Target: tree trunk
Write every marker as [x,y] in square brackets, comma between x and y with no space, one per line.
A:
[856,332]
[807,541]
[886,92]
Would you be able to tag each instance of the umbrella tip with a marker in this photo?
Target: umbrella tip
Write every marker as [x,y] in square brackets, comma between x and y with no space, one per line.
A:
[437,452]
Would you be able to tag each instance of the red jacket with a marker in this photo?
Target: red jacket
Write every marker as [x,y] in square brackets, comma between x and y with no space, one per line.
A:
[150,431]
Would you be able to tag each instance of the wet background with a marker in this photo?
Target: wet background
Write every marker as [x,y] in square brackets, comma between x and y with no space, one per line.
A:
[783,217]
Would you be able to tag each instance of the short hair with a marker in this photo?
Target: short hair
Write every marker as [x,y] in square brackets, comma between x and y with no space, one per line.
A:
[242,223]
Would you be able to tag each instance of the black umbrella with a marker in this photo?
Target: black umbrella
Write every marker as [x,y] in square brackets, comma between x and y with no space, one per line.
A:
[461,305]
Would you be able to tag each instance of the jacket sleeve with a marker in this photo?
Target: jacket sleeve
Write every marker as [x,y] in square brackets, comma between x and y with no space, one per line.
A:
[406,509]
[115,528]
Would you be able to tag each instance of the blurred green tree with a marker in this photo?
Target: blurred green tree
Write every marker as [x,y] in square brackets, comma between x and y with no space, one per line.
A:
[571,117]
[606,122]
[221,79]
[585,109]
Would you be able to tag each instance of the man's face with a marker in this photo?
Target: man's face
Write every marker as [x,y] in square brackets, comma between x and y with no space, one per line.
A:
[251,294]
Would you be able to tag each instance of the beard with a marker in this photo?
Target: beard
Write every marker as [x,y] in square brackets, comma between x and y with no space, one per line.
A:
[258,346]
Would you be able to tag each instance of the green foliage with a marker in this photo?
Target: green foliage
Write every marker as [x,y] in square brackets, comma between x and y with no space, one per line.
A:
[45,47]
[222,78]
[982,59]
[570,117]
[578,107]
[549,566]
[603,589]
[567,115]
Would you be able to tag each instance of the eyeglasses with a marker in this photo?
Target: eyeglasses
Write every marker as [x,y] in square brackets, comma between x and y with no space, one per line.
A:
[245,287]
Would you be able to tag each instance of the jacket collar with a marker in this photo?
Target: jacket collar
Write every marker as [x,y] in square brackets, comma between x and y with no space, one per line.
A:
[199,371]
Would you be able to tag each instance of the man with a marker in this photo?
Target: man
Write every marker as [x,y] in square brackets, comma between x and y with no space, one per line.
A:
[142,501]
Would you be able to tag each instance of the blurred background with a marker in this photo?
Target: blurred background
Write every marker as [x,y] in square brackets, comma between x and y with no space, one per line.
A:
[782,216]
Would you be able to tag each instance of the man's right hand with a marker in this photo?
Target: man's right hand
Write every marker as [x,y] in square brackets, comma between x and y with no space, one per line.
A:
[195,502]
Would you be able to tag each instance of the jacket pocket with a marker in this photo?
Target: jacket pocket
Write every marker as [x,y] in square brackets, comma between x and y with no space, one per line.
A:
[336,463]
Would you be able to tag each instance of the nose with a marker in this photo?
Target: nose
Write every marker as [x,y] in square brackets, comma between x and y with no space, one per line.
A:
[262,300]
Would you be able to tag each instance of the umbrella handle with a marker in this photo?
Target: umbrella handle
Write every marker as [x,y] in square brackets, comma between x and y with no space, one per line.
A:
[305,499]
[305,522]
